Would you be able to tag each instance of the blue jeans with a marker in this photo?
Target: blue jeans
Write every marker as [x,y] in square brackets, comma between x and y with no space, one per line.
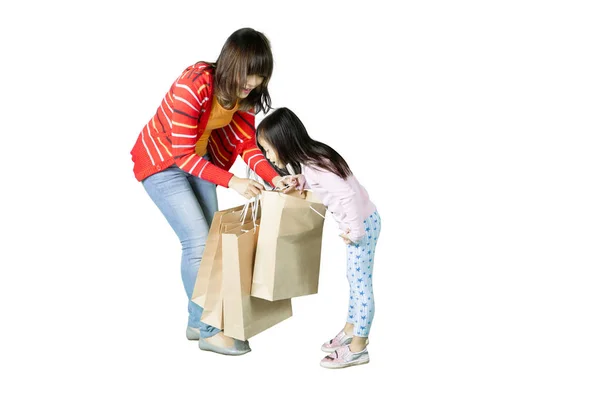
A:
[188,203]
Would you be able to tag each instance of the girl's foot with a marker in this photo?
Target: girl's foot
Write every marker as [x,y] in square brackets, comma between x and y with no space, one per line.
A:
[341,339]
[343,357]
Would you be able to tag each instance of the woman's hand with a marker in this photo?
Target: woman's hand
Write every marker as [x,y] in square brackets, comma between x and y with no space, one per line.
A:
[248,188]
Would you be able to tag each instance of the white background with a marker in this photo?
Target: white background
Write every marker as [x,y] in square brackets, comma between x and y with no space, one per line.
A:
[473,125]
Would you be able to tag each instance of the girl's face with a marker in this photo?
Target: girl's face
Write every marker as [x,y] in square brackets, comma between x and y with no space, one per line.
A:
[252,81]
[270,153]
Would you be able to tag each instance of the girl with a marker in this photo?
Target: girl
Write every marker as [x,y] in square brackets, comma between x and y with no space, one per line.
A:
[203,123]
[284,140]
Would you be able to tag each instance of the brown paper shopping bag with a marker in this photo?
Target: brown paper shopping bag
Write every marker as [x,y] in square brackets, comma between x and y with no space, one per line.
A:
[207,289]
[288,252]
[245,316]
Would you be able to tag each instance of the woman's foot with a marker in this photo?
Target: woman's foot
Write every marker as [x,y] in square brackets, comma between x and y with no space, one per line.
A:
[222,344]
[192,333]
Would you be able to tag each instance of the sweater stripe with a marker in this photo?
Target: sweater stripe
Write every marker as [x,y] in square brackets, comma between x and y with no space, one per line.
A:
[185,125]
[222,131]
[166,116]
[165,147]
[182,166]
[250,160]
[147,149]
[162,126]
[211,147]
[194,166]
[182,135]
[169,105]
[240,129]
[235,134]
[186,102]
[154,143]
[189,90]
[211,140]
[202,170]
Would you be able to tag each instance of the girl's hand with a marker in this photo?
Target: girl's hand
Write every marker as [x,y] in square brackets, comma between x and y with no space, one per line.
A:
[299,181]
[286,184]
[282,183]
[248,188]
[346,238]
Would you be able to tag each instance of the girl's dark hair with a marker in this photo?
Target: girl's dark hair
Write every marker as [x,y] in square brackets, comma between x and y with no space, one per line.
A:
[245,52]
[284,131]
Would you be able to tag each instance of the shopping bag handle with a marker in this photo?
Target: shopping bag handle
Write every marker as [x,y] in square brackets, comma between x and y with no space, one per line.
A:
[254,202]
[252,175]
[254,213]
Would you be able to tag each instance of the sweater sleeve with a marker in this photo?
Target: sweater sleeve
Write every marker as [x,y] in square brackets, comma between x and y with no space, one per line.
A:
[190,101]
[250,152]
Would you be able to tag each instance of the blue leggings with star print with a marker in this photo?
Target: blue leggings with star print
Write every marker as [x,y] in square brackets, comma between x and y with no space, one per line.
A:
[360,258]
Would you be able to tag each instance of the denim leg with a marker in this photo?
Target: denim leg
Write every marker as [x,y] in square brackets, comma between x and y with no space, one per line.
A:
[184,205]
[206,193]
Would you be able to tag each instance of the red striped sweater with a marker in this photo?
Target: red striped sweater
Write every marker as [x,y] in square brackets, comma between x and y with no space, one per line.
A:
[171,135]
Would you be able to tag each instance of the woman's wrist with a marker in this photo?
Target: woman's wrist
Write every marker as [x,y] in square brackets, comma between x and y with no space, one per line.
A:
[276,180]
[232,181]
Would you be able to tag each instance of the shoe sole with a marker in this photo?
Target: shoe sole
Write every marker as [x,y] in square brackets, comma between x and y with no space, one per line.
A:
[202,345]
[329,365]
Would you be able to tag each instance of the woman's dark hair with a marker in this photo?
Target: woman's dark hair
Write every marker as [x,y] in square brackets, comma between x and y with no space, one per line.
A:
[284,131]
[245,52]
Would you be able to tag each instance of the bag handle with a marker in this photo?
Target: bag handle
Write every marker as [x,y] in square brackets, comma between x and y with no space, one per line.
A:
[254,202]
[253,175]
[291,171]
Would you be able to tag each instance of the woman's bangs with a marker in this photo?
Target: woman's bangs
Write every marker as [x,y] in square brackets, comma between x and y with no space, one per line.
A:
[261,64]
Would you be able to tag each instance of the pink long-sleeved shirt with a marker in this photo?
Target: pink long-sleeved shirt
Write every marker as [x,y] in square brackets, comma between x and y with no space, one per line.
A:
[346,199]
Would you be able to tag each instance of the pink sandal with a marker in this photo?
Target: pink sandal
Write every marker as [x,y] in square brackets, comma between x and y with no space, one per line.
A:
[343,357]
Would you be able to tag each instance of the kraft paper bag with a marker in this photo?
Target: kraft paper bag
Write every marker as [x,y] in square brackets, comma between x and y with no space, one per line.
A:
[208,285]
[288,252]
[245,316]
[210,252]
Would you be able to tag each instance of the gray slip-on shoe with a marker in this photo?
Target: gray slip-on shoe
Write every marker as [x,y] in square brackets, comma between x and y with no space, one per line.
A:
[239,347]
[192,333]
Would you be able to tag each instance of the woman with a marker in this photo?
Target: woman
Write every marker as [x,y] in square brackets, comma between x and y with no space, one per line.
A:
[203,123]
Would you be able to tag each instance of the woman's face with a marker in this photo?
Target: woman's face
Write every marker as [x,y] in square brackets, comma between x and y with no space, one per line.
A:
[270,153]
[252,81]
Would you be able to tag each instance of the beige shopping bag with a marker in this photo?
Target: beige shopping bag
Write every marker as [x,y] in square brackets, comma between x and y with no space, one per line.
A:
[245,316]
[208,285]
[288,252]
